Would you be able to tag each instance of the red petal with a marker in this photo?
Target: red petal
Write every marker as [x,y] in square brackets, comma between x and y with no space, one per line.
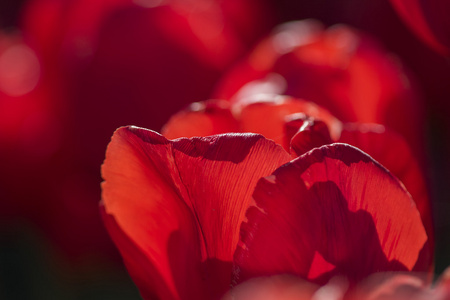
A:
[392,151]
[304,133]
[145,274]
[266,114]
[173,199]
[201,119]
[151,215]
[385,146]
[337,201]
[429,19]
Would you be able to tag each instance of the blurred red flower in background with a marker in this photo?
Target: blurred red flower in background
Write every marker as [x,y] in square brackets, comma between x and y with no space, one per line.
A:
[80,69]
[131,56]
[428,19]
[26,112]
[174,209]
[30,130]
[338,68]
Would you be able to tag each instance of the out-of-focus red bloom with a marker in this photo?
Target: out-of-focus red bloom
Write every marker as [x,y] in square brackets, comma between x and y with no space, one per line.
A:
[95,65]
[429,20]
[212,31]
[299,126]
[32,127]
[132,56]
[174,209]
[338,68]
[127,55]
[25,112]
[29,127]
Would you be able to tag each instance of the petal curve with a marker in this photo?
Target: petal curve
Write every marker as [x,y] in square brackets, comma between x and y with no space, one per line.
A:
[201,119]
[385,146]
[335,201]
[274,109]
[173,199]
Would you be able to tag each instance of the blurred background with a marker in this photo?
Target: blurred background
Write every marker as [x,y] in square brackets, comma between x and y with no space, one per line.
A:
[72,71]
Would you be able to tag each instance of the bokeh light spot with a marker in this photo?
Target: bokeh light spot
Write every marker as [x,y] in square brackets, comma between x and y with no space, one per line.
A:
[19,70]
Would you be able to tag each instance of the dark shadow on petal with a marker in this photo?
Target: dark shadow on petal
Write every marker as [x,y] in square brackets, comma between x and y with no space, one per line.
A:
[338,152]
[291,222]
[224,147]
[349,240]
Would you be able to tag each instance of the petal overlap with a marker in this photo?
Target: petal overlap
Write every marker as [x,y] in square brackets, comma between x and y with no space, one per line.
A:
[181,202]
[384,145]
[334,203]
[274,109]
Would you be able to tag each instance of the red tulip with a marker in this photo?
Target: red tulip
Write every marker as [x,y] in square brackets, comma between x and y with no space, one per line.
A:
[338,68]
[428,19]
[174,209]
[299,126]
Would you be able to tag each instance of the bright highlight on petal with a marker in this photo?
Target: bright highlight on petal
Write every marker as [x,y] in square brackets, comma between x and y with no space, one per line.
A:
[202,119]
[267,114]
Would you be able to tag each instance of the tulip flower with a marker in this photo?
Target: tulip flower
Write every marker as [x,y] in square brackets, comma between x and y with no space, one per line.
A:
[428,19]
[192,216]
[339,68]
[278,118]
